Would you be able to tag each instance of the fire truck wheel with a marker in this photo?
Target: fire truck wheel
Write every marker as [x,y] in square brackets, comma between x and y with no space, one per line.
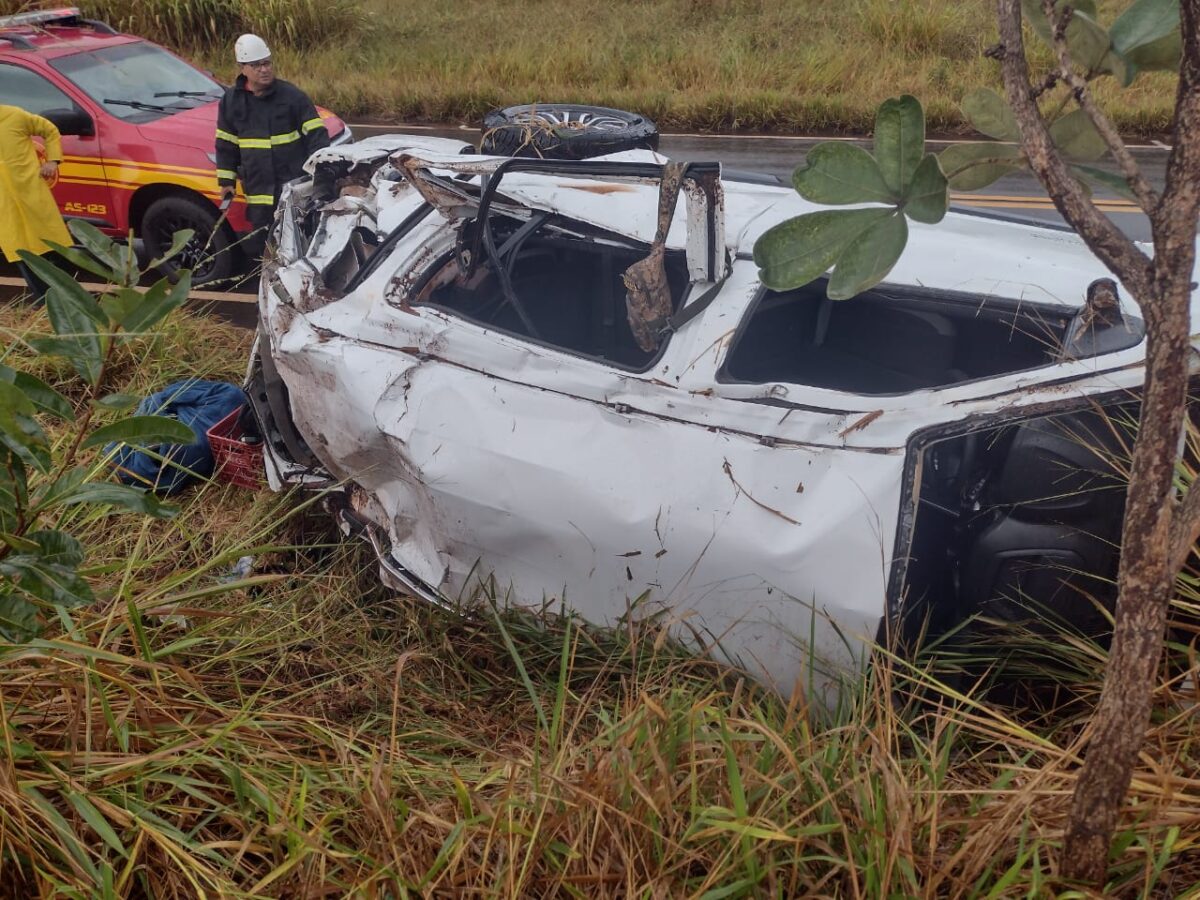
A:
[210,260]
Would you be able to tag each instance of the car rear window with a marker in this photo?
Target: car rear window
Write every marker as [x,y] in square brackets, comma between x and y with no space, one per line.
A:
[150,78]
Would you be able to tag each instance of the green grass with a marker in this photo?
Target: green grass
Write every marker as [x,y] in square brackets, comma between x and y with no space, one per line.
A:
[308,734]
[709,65]
[728,65]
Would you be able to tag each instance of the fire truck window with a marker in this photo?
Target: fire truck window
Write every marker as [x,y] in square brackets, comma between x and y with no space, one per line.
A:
[30,91]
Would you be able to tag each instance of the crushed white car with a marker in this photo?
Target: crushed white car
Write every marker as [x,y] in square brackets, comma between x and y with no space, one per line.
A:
[562,380]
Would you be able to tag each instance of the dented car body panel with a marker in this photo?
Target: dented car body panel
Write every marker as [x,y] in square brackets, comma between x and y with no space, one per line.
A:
[449,337]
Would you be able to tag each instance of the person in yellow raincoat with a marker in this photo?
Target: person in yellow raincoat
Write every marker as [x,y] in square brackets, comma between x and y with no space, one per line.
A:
[29,217]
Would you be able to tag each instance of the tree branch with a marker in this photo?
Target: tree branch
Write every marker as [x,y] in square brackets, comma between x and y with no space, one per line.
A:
[1147,198]
[1105,240]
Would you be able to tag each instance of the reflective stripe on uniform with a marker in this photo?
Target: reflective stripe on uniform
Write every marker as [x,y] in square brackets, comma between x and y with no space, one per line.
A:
[226,136]
[312,125]
[227,173]
[254,143]
[260,199]
[277,139]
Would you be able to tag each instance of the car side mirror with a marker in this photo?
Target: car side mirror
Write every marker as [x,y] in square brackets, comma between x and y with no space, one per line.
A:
[71,121]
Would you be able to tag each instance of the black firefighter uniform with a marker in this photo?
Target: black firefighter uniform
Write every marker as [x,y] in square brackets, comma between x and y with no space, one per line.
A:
[265,140]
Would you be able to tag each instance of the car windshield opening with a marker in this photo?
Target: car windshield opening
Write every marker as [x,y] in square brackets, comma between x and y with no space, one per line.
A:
[138,82]
[568,291]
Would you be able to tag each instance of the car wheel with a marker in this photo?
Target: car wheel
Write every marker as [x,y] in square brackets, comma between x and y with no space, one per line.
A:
[209,261]
[564,131]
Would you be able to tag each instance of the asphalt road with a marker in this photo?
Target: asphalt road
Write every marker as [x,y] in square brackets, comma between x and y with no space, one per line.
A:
[1017,195]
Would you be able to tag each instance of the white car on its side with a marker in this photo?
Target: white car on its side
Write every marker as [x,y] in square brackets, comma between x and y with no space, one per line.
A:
[458,344]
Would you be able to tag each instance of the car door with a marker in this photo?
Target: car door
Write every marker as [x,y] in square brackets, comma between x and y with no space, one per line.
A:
[82,190]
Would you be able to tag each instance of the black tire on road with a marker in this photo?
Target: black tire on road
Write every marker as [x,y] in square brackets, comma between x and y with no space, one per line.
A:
[564,131]
[168,215]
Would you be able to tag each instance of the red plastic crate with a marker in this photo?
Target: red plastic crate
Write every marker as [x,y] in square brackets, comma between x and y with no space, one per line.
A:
[235,462]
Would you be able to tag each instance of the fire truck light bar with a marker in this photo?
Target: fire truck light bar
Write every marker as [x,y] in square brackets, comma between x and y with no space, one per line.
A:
[40,17]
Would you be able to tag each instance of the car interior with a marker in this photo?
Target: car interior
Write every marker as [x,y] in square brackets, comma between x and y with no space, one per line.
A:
[892,340]
[566,291]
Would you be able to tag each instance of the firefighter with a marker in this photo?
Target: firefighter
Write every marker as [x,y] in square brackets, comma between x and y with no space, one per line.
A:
[266,129]
[29,217]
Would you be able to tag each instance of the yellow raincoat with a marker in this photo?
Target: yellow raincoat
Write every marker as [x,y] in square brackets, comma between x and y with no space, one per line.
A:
[28,214]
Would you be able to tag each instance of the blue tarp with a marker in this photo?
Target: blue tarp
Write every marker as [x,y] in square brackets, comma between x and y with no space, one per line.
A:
[199,404]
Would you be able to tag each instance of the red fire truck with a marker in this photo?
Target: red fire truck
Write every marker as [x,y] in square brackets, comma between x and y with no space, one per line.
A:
[138,126]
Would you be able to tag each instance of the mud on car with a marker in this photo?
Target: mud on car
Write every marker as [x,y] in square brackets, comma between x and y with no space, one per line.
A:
[564,378]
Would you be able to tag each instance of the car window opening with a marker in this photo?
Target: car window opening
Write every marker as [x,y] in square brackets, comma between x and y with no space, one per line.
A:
[1019,523]
[568,290]
[879,343]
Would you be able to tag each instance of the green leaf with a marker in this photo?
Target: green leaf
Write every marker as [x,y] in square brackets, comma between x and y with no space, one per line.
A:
[118,401]
[181,237]
[50,573]
[869,257]
[123,496]
[100,245]
[99,824]
[18,617]
[57,547]
[157,303]
[1115,183]
[84,261]
[1147,36]
[969,167]
[899,141]
[1087,41]
[142,431]
[837,172]
[75,316]
[928,195]
[989,114]
[20,431]
[44,397]
[18,543]
[119,304]
[50,493]
[1077,138]
[795,252]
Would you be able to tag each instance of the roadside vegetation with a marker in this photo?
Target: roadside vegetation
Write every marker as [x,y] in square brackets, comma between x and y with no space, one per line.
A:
[719,65]
[302,732]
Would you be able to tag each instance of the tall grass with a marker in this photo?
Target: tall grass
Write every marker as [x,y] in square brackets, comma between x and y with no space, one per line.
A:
[303,733]
[689,64]
[213,25]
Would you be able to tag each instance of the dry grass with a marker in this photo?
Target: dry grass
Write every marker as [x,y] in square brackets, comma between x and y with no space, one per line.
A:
[306,734]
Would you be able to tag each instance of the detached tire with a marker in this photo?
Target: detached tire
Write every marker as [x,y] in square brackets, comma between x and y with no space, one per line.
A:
[168,215]
[564,131]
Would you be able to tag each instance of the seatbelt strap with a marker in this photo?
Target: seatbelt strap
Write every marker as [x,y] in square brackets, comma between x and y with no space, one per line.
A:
[697,306]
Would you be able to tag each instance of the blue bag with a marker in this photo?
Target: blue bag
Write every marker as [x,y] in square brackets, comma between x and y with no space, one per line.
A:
[198,404]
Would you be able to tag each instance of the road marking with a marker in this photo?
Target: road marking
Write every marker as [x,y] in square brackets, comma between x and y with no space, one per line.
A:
[1032,201]
[19,285]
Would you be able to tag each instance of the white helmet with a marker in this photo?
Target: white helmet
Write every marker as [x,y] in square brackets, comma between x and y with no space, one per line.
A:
[250,48]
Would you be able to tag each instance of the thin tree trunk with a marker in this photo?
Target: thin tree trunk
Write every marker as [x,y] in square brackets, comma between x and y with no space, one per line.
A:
[1146,579]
